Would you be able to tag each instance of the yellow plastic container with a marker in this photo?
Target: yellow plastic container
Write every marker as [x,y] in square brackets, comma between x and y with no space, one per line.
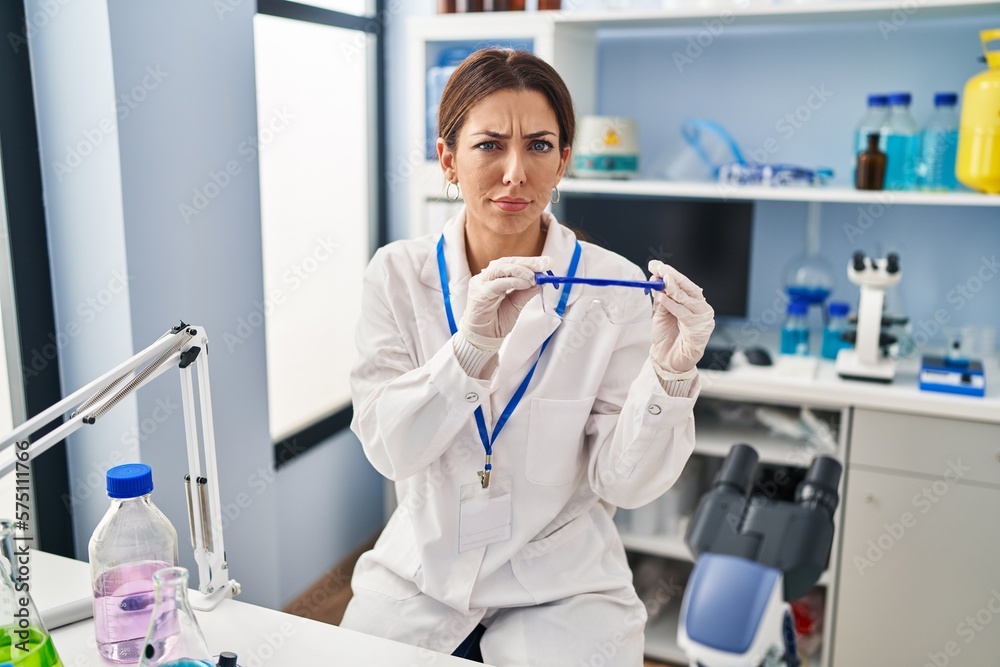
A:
[978,163]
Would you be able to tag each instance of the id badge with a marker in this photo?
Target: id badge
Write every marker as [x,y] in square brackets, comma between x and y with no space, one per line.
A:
[484,517]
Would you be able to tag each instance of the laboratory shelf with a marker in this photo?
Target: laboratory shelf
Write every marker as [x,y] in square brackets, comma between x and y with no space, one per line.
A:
[661,636]
[667,546]
[822,194]
[744,12]
[716,439]
[752,12]
[674,547]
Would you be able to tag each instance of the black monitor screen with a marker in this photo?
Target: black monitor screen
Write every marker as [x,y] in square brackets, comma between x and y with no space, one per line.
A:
[708,241]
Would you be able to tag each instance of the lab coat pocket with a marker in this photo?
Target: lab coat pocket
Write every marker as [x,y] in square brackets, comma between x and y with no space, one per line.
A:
[555,440]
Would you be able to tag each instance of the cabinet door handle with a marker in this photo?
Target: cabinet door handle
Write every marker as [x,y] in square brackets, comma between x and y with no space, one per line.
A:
[869,497]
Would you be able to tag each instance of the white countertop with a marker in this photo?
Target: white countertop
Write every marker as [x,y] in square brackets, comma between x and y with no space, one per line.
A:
[259,636]
[746,382]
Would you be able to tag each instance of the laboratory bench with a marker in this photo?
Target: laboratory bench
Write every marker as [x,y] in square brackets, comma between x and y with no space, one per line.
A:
[259,636]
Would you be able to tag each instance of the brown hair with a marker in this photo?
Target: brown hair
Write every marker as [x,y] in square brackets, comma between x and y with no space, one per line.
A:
[488,71]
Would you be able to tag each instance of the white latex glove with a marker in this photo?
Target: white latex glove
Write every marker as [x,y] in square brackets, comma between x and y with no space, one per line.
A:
[496,297]
[682,321]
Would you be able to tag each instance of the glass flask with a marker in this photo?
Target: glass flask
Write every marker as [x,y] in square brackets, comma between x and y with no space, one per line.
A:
[174,638]
[24,641]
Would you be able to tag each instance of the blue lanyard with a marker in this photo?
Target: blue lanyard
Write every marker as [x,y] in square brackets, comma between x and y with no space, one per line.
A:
[484,435]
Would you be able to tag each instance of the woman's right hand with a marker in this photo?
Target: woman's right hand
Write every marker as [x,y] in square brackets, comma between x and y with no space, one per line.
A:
[496,297]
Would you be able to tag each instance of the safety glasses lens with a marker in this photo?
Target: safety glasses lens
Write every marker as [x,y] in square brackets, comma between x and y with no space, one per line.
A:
[619,305]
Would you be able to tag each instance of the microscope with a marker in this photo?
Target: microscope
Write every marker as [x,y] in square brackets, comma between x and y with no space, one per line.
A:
[754,556]
[868,360]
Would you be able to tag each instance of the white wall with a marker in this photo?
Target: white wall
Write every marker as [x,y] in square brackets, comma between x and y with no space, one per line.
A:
[166,92]
[81,177]
[161,97]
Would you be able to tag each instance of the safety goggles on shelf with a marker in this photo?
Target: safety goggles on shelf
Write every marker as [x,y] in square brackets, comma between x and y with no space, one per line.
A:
[620,301]
[773,175]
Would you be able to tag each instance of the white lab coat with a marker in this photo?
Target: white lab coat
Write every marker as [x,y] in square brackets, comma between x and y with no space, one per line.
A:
[594,430]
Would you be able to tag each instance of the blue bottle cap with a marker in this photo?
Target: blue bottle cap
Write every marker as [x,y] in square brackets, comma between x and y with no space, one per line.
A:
[945,99]
[798,308]
[838,308]
[900,99]
[878,100]
[130,480]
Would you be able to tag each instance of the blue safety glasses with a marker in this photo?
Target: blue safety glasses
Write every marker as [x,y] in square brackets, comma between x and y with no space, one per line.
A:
[620,301]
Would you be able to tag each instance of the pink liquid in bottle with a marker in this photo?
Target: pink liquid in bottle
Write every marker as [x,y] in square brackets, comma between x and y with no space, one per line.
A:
[123,603]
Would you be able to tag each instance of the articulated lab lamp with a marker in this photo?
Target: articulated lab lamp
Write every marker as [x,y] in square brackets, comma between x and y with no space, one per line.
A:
[186,347]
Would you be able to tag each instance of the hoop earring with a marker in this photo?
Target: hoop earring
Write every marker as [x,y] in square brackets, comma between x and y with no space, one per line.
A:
[447,191]
[556,200]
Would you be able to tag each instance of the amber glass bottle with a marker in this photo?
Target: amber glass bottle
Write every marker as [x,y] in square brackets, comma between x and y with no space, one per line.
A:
[871,166]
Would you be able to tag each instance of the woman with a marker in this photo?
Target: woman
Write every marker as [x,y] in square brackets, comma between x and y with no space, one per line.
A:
[517,552]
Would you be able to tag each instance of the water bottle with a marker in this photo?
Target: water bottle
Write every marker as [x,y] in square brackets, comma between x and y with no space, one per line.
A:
[129,545]
[795,332]
[902,144]
[836,325]
[940,145]
[871,123]
[437,77]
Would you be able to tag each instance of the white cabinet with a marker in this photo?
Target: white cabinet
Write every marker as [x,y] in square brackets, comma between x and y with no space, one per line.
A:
[919,575]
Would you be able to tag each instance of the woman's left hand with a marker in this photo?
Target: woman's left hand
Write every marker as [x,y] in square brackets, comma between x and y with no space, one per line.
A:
[682,321]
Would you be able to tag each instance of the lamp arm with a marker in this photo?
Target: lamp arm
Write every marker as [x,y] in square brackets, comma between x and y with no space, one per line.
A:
[186,347]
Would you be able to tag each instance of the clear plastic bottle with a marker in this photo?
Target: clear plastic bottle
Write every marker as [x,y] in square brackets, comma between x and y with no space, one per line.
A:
[871,123]
[940,145]
[836,325]
[132,542]
[795,332]
[902,144]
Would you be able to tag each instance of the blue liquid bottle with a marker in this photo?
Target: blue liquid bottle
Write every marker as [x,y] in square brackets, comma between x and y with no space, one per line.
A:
[795,332]
[871,123]
[902,144]
[940,145]
[835,326]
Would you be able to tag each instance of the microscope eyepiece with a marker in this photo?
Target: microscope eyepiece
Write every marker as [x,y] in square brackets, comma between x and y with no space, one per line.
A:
[737,469]
[892,263]
[819,488]
[859,261]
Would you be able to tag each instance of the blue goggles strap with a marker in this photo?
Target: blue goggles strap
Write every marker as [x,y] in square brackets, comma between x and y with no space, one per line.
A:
[516,398]
[645,285]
